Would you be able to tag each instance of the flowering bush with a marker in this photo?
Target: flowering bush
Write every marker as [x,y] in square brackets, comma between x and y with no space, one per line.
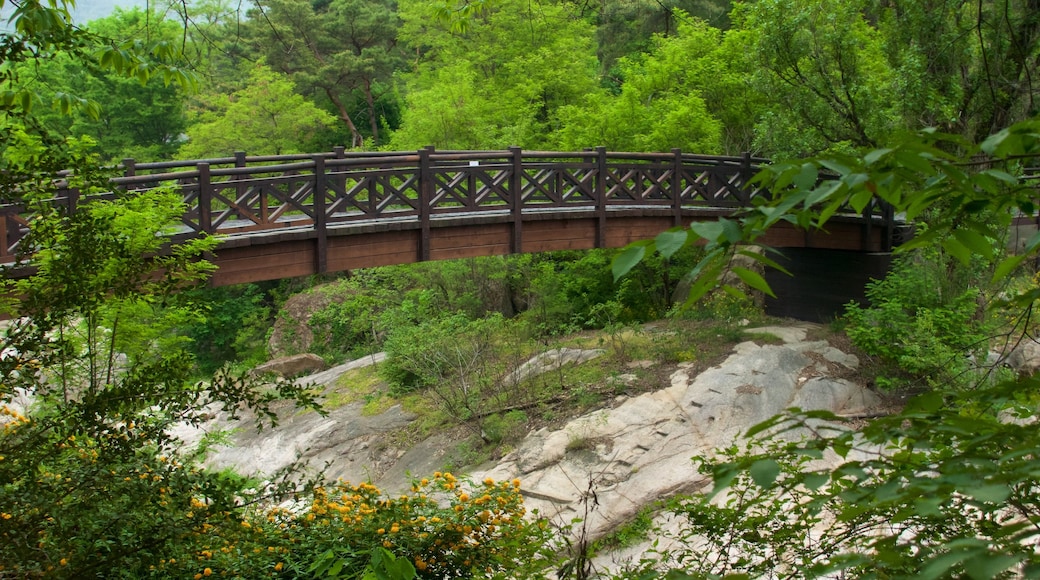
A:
[442,529]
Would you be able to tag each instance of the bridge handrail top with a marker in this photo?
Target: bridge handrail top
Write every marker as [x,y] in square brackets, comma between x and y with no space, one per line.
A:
[347,157]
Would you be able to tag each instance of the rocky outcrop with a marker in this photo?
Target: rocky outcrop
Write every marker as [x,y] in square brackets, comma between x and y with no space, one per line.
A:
[640,451]
[629,455]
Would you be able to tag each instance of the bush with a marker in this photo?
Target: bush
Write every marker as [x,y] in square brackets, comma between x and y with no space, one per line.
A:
[443,528]
[924,331]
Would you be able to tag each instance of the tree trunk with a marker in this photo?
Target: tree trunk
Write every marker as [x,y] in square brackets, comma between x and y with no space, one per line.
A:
[355,136]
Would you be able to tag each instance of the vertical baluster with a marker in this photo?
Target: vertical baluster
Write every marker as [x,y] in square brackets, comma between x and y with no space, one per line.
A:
[205,199]
[320,231]
[601,197]
[516,199]
[425,201]
[677,188]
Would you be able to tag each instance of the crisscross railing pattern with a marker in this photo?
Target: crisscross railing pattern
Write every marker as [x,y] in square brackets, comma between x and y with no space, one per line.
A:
[251,195]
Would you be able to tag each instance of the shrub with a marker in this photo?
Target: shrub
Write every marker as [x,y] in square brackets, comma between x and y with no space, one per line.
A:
[924,331]
[443,528]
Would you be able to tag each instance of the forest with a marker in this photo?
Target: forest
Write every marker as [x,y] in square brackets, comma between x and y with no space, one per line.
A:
[115,337]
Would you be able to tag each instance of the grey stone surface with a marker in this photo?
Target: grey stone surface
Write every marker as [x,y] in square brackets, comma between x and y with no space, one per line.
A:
[642,450]
[627,456]
[292,366]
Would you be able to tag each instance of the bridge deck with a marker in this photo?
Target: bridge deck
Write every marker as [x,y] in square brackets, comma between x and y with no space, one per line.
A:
[304,214]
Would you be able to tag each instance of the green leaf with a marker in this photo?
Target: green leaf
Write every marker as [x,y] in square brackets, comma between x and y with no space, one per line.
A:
[875,155]
[710,231]
[939,566]
[994,141]
[957,250]
[986,565]
[722,475]
[974,242]
[1006,266]
[764,472]
[824,191]
[928,403]
[627,259]
[731,230]
[807,176]
[754,280]
[671,241]
[834,166]
[860,199]
[814,481]
[763,259]
[992,493]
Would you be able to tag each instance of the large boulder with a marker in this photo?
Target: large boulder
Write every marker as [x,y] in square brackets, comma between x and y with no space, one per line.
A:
[292,366]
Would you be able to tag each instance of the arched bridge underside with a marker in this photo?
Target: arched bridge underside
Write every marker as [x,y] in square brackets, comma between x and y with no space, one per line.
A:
[297,215]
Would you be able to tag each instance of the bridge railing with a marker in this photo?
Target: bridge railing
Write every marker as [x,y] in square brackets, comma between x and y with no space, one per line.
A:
[243,194]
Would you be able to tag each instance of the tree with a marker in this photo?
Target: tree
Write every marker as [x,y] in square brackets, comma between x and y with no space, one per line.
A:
[264,117]
[660,105]
[945,487]
[144,120]
[500,80]
[964,67]
[91,481]
[331,49]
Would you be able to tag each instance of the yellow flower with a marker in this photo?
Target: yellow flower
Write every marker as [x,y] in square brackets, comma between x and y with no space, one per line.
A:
[278,567]
[489,482]
[64,562]
[463,497]
[207,572]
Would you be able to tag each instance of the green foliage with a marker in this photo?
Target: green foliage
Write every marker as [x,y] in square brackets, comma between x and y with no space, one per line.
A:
[926,334]
[946,487]
[660,105]
[508,426]
[131,118]
[823,67]
[230,327]
[345,59]
[89,471]
[951,495]
[500,82]
[264,117]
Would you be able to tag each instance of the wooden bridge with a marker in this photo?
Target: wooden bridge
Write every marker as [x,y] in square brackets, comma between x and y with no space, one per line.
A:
[295,215]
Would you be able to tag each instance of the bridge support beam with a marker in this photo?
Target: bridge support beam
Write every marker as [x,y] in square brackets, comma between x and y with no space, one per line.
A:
[823,282]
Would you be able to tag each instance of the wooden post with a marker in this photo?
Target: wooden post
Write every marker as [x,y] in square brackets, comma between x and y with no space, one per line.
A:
[5,248]
[320,230]
[677,188]
[205,199]
[516,191]
[129,167]
[601,197]
[866,227]
[71,200]
[425,201]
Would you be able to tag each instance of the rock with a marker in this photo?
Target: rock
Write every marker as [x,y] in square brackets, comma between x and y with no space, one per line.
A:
[640,451]
[549,361]
[1025,358]
[292,366]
